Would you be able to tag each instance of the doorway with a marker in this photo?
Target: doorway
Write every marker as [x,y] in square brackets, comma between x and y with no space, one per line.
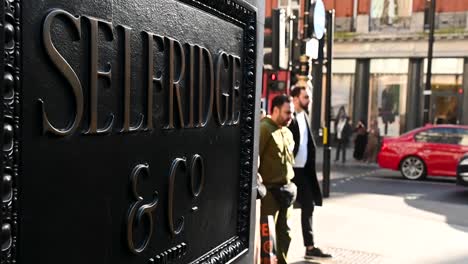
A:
[444,108]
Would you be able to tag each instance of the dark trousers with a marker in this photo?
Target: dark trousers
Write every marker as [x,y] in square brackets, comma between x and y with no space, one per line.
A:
[306,201]
[269,206]
[341,146]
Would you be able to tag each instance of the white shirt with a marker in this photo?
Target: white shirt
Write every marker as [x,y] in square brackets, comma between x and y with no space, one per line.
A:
[301,156]
[340,127]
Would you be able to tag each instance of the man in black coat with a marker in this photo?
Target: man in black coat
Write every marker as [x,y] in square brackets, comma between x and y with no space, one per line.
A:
[308,189]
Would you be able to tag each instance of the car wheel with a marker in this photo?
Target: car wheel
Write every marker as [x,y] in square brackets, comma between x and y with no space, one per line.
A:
[413,168]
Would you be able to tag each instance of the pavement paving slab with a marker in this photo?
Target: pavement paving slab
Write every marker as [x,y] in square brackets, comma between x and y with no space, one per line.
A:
[373,217]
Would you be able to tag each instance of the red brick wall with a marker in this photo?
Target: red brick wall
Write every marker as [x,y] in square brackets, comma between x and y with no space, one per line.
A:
[364,7]
[269,5]
[442,5]
[418,5]
[451,6]
[343,8]
[329,4]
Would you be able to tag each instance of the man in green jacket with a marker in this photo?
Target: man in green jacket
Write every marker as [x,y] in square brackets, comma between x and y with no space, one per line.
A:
[276,160]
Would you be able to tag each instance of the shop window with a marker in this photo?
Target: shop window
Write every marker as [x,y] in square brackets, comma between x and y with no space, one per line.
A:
[341,94]
[342,90]
[446,99]
[388,94]
[388,102]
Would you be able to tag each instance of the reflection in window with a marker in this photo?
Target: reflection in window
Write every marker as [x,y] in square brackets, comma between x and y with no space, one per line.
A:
[445,98]
[341,93]
[444,135]
[390,14]
[464,136]
[388,102]
[435,135]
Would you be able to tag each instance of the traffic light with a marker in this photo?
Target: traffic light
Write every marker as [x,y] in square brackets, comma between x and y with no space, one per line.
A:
[275,39]
[273,83]
[273,76]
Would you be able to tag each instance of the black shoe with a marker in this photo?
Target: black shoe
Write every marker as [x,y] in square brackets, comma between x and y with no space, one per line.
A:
[316,253]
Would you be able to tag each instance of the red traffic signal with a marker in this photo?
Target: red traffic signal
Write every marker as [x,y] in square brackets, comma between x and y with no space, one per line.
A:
[273,77]
[273,83]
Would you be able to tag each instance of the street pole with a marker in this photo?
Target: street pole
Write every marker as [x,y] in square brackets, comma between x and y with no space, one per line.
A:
[427,90]
[317,82]
[291,38]
[305,26]
[326,130]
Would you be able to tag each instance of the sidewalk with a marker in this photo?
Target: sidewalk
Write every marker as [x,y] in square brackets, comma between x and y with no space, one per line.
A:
[342,170]
[349,158]
[326,217]
[369,228]
[357,230]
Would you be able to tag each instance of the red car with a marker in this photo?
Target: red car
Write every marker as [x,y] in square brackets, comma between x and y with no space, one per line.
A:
[430,150]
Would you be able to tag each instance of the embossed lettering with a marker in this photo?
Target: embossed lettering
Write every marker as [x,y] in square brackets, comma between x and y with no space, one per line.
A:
[151,79]
[191,81]
[196,172]
[138,210]
[95,74]
[205,56]
[175,81]
[127,82]
[210,83]
[66,70]
[197,168]
[175,229]
[222,103]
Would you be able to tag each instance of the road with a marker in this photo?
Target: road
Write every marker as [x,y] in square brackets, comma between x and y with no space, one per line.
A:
[375,216]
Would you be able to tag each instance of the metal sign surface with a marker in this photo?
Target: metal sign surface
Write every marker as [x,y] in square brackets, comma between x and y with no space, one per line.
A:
[128,131]
[318,19]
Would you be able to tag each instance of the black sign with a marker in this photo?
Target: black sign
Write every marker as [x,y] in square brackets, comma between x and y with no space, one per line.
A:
[128,131]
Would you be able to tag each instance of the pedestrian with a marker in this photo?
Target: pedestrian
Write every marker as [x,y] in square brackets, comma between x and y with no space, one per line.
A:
[276,160]
[373,137]
[343,132]
[360,142]
[305,176]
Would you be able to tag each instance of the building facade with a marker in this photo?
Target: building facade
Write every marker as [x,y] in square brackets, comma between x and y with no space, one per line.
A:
[379,65]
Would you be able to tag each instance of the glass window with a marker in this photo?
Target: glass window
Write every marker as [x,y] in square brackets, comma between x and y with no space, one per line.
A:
[390,14]
[453,136]
[341,94]
[445,99]
[463,136]
[388,102]
[435,135]
[445,66]
[450,83]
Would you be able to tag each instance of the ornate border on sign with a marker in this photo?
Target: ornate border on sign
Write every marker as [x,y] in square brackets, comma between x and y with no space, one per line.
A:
[11,123]
[246,18]
[229,10]
[225,253]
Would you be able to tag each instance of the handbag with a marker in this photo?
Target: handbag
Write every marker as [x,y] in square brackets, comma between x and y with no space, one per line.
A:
[285,195]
